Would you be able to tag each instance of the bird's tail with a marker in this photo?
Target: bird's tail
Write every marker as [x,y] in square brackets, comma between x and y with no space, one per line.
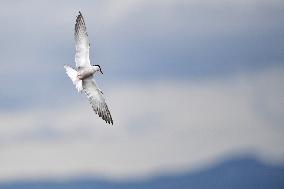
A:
[72,74]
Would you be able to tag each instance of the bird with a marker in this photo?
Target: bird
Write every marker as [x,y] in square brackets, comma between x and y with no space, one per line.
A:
[83,76]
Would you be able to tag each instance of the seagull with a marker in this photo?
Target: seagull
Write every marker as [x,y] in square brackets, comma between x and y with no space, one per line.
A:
[83,76]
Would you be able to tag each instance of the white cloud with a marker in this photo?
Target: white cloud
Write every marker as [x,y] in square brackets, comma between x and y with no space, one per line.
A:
[159,126]
[169,125]
[35,31]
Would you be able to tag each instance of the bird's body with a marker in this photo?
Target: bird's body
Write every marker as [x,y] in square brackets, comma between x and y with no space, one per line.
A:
[82,78]
[84,73]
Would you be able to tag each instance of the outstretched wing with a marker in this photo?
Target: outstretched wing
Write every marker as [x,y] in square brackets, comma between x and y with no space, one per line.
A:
[97,99]
[82,43]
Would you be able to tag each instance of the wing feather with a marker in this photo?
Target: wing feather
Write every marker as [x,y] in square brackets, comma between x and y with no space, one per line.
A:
[97,100]
[82,43]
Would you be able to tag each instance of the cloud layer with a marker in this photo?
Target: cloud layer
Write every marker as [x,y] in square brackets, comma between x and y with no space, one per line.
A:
[188,83]
[164,126]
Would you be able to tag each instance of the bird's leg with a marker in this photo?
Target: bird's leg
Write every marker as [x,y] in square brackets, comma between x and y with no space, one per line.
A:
[79,75]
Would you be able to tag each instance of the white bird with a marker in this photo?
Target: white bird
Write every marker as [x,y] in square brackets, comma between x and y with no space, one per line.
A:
[82,78]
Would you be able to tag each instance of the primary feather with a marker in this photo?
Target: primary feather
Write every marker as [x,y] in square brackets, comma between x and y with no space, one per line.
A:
[81,43]
[97,100]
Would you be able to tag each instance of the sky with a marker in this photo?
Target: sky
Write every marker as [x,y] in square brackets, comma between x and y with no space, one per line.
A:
[188,83]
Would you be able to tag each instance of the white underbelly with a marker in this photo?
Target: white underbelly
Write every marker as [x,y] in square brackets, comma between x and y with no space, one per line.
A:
[85,73]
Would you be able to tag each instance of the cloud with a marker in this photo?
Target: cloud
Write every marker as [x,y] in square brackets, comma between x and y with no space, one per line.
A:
[192,82]
[134,41]
[196,36]
[159,126]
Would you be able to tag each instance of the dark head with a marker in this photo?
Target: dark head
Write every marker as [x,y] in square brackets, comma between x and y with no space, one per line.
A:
[97,68]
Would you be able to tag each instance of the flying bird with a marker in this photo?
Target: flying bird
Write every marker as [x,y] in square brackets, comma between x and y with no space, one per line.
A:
[83,76]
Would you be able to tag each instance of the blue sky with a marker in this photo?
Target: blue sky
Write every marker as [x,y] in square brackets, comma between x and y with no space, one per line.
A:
[187,82]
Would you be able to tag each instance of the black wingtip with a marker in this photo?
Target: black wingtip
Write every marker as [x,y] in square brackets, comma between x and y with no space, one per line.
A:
[109,121]
[79,15]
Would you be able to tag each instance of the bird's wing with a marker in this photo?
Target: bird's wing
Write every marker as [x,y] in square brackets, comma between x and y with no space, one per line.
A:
[97,99]
[82,43]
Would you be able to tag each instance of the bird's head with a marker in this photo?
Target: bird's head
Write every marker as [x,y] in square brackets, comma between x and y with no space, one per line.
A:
[97,68]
